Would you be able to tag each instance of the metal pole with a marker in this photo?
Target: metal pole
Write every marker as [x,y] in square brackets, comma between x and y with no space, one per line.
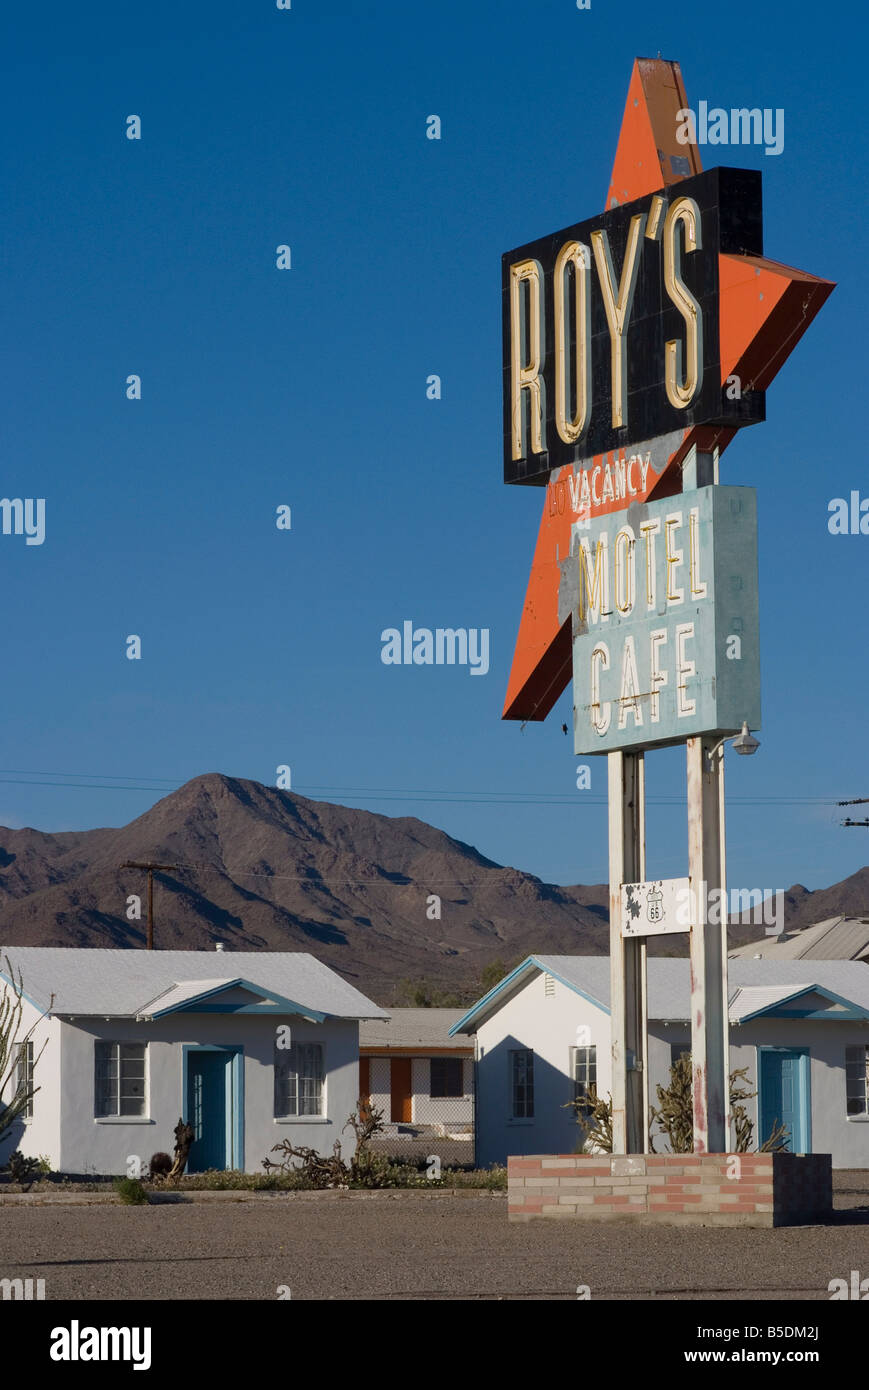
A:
[708,943]
[150,909]
[150,867]
[725,989]
[627,864]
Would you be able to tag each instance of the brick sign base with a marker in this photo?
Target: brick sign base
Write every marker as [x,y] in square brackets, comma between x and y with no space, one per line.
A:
[769,1189]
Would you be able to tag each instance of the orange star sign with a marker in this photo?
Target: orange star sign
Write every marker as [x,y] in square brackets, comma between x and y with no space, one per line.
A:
[617,368]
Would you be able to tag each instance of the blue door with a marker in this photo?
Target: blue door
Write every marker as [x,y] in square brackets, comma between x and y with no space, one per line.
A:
[784,1095]
[209,1091]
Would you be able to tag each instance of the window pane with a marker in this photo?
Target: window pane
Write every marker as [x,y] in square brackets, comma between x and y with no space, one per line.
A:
[24,1075]
[447,1077]
[856,1079]
[105,1083]
[119,1078]
[522,1081]
[298,1080]
[584,1070]
[131,1063]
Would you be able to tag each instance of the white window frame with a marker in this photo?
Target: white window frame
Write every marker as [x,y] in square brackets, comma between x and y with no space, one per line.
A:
[587,1055]
[24,1065]
[858,1079]
[116,1113]
[286,1069]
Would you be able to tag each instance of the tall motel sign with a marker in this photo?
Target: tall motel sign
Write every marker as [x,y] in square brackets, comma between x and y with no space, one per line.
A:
[635,345]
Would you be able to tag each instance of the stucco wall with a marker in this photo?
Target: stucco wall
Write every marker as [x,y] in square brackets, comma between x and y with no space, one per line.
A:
[832,1130]
[547,1024]
[379,1081]
[424,1109]
[428,1110]
[103,1145]
[40,1136]
[847,1139]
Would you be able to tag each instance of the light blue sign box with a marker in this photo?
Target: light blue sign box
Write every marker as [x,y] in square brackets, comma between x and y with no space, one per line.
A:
[704,547]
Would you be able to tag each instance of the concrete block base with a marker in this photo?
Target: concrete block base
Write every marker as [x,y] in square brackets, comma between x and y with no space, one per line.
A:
[769,1189]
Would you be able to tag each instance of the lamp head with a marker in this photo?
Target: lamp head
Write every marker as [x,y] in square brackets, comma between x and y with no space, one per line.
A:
[744,742]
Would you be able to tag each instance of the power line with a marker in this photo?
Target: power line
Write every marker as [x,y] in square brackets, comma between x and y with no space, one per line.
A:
[372,880]
[443,796]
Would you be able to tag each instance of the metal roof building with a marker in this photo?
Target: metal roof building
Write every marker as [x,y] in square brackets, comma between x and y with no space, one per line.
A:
[669,985]
[411,1030]
[92,982]
[836,938]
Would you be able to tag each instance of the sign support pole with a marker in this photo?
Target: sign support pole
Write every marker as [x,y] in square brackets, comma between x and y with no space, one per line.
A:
[627,856]
[710,1043]
[710,1033]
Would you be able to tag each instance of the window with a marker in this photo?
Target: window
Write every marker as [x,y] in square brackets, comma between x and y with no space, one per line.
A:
[522,1084]
[24,1076]
[120,1078]
[584,1073]
[447,1077]
[298,1080]
[856,1079]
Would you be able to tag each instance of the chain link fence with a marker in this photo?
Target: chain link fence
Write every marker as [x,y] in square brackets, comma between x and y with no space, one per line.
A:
[427,1105]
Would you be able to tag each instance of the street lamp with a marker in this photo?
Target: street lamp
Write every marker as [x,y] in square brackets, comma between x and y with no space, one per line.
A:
[743,743]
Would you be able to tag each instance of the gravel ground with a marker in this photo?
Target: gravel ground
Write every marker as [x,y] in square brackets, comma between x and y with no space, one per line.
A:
[409,1246]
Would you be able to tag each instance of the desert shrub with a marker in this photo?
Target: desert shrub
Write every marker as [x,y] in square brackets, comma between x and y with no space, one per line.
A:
[131,1192]
[23,1170]
[594,1115]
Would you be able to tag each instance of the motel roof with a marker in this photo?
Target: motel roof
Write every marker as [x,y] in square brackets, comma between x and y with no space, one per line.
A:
[412,1029]
[147,984]
[755,986]
[836,938]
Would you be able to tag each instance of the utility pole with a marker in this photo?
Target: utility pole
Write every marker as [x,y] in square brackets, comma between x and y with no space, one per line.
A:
[855,801]
[136,864]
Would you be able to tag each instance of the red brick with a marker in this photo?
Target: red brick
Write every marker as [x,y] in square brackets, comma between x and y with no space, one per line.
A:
[746,1187]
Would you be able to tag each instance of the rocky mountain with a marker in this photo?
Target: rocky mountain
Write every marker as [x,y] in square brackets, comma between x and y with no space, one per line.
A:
[260,868]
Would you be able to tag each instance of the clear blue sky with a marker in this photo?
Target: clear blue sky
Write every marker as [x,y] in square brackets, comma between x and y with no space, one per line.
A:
[307,387]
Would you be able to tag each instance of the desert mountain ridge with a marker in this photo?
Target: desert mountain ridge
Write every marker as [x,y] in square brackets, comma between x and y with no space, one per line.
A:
[259,868]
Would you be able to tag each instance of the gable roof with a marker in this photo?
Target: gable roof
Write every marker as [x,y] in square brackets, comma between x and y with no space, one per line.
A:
[669,985]
[117,983]
[187,994]
[836,938]
[750,1001]
[406,1028]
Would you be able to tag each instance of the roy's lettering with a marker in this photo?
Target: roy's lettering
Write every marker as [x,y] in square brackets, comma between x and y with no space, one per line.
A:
[611,330]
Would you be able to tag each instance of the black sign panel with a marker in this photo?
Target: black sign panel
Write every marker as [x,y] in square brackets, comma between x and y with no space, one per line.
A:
[632,352]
